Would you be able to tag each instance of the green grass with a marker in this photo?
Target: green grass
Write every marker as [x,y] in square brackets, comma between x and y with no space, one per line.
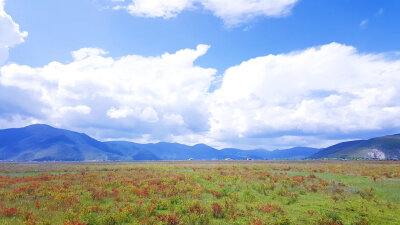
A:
[190,193]
[387,189]
[31,173]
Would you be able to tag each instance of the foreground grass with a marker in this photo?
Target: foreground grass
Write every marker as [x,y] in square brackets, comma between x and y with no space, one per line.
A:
[290,192]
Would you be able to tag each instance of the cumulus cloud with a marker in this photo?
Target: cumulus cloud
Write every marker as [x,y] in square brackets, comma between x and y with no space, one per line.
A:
[316,96]
[10,34]
[232,12]
[321,91]
[132,93]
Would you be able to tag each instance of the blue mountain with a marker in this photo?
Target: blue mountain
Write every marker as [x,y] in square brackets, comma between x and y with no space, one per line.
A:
[45,143]
[41,142]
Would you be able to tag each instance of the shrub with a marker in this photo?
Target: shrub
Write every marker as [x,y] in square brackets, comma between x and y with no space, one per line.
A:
[73,222]
[168,219]
[217,210]
[9,212]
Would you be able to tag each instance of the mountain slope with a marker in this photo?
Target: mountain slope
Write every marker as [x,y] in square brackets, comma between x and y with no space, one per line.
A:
[386,147]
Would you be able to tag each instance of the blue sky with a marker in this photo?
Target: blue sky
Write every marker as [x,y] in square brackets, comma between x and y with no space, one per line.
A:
[281,73]
[58,27]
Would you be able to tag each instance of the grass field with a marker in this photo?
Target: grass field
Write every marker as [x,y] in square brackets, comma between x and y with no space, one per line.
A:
[197,192]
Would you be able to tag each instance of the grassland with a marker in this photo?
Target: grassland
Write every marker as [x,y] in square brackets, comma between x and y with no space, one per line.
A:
[237,192]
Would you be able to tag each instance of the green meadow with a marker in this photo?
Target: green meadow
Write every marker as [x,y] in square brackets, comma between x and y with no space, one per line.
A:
[201,192]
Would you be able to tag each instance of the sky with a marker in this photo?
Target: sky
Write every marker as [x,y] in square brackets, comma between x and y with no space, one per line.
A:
[250,74]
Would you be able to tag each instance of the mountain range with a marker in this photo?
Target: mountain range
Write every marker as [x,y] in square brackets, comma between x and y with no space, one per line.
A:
[41,142]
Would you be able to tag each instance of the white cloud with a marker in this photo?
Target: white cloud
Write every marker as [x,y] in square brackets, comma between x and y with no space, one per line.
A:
[232,12]
[322,91]
[173,119]
[10,34]
[119,113]
[13,100]
[316,96]
[83,109]
[147,114]
[87,52]
[132,93]
[157,8]
[17,121]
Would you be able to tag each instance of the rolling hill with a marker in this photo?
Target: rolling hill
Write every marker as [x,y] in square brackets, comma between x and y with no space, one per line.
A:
[386,147]
[41,142]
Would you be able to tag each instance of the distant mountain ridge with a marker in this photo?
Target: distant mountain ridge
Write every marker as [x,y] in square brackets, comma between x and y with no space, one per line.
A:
[42,142]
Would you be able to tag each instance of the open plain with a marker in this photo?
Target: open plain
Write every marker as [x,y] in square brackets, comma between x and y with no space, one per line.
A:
[201,192]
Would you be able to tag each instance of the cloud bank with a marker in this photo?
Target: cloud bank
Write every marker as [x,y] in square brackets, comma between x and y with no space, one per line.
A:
[232,12]
[160,95]
[311,97]
[323,92]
